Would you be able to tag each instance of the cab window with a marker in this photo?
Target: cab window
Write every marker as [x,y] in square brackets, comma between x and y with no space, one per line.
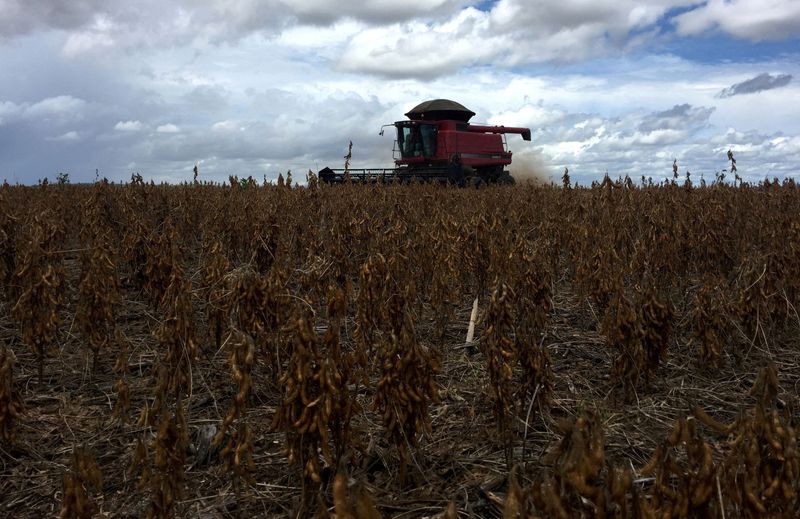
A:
[417,140]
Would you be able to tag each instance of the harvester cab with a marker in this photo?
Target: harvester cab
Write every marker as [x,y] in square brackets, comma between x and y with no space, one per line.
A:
[415,139]
[437,143]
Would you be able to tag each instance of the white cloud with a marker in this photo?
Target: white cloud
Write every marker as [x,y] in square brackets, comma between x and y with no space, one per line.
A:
[418,49]
[70,136]
[81,42]
[54,110]
[99,35]
[321,38]
[749,19]
[150,22]
[512,32]
[529,115]
[167,128]
[661,137]
[8,110]
[63,105]
[128,126]
[415,38]
[224,126]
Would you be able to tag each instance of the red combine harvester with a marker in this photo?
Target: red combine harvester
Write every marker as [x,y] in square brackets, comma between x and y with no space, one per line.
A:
[437,143]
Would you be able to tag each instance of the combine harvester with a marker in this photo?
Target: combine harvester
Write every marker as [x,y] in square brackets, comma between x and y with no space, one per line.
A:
[438,144]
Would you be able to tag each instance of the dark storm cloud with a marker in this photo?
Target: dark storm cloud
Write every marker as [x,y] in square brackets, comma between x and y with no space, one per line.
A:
[151,22]
[373,12]
[757,84]
[22,16]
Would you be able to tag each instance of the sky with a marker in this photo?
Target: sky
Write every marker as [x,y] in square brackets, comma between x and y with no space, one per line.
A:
[105,88]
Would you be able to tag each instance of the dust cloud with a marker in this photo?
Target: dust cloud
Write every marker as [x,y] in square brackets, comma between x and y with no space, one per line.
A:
[530,167]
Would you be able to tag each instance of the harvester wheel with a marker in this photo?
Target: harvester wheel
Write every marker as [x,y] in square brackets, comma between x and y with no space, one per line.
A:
[506,179]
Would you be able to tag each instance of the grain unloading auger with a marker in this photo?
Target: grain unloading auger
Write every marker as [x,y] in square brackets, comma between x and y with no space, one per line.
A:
[437,143]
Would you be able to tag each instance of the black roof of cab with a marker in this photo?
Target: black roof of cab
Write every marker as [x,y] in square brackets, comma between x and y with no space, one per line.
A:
[438,109]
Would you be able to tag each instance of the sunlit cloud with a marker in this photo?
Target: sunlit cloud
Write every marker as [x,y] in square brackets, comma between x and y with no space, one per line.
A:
[128,126]
[167,128]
